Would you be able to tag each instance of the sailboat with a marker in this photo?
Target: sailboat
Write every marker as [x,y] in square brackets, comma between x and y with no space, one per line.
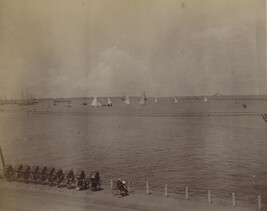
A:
[205,100]
[143,99]
[68,104]
[95,102]
[156,100]
[175,100]
[99,104]
[127,100]
[109,102]
[84,102]
[123,97]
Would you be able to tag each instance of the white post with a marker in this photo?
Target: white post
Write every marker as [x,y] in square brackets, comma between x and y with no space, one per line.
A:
[209,196]
[129,185]
[2,159]
[186,193]
[233,199]
[166,190]
[259,202]
[147,188]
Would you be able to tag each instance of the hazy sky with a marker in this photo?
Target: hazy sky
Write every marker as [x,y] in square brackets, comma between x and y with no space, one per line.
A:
[106,47]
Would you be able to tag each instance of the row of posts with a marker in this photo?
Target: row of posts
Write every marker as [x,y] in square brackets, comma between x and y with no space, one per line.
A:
[186,193]
[2,159]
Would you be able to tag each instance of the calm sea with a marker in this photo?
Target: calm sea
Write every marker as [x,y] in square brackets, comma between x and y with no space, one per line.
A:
[219,146]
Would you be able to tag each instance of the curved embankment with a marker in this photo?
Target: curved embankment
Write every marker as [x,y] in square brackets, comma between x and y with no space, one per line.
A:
[20,196]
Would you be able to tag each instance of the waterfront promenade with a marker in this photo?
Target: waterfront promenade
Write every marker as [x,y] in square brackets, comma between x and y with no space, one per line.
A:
[20,196]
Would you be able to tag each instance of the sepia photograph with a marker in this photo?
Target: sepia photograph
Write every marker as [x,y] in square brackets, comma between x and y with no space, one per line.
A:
[123,105]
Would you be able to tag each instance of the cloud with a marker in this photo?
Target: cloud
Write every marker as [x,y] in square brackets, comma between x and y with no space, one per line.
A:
[119,72]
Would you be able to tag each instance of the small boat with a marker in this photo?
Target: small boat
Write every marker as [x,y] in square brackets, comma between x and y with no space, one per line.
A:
[156,100]
[95,102]
[109,102]
[84,102]
[143,99]
[175,100]
[123,97]
[206,100]
[69,105]
[127,100]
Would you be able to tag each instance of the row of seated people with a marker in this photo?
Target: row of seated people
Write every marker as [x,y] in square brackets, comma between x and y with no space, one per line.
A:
[51,176]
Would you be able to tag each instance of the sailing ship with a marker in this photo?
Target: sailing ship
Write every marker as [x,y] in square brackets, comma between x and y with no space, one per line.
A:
[143,99]
[69,104]
[84,102]
[127,100]
[95,102]
[206,100]
[27,101]
[109,102]
[175,100]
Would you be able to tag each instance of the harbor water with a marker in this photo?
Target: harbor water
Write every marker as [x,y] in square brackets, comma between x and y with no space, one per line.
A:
[219,146]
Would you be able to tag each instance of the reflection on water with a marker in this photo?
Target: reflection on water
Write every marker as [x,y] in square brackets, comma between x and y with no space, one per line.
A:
[223,153]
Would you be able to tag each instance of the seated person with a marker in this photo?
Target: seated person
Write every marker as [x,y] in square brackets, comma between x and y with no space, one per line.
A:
[121,185]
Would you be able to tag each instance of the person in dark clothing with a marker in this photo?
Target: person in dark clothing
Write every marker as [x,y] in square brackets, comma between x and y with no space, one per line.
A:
[121,185]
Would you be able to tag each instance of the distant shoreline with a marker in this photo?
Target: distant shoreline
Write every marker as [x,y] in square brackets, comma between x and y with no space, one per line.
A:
[196,97]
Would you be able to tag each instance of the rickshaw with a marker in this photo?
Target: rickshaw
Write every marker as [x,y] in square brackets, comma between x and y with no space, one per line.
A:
[68,179]
[56,178]
[48,175]
[17,169]
[24,174]
[79,180]
[33,173]
[8,172]
[95,182]
[41,174]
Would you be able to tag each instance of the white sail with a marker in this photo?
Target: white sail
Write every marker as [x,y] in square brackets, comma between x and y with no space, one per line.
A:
[127,100]
[109,102]
[206,99]
[175,100]
[156,100]
[143,99]
[99,104]
[95,102]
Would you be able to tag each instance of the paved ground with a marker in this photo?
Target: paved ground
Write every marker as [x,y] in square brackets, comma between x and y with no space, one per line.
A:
[20,196]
